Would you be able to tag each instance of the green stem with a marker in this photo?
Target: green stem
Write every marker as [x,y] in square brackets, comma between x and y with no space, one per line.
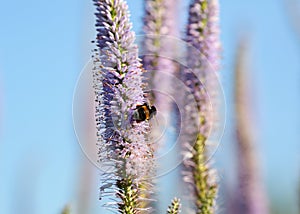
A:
[204,191]
[128,194]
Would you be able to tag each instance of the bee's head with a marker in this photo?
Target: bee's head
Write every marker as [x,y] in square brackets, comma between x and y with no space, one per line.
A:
[152,111]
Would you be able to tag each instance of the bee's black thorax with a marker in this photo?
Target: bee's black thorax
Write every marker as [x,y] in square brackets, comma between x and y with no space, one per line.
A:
[144,112]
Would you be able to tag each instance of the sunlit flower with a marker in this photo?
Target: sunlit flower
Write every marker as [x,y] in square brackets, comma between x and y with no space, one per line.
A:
[123,146]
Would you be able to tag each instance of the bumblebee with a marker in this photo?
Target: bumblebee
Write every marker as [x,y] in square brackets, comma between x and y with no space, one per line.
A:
[144,112]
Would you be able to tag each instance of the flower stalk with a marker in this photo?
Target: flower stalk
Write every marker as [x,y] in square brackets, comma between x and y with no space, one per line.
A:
[124,149]
[250,195]
[160,26]
[200,77]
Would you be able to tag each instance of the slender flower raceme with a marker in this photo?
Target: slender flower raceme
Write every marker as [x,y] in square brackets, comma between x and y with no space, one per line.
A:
[174,208]
[160,25]
[161,29]
[250,195]
[203,60]
[124,149]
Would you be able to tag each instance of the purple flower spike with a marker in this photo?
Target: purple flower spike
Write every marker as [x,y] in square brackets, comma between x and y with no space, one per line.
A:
[160,28]
[123,145]
[250,196]
[203,34]
[203,61]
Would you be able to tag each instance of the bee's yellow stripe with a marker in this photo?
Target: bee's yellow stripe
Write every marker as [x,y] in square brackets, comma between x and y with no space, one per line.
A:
[147,113]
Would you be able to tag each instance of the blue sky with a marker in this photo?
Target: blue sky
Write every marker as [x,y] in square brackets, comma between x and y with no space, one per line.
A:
[45,44]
